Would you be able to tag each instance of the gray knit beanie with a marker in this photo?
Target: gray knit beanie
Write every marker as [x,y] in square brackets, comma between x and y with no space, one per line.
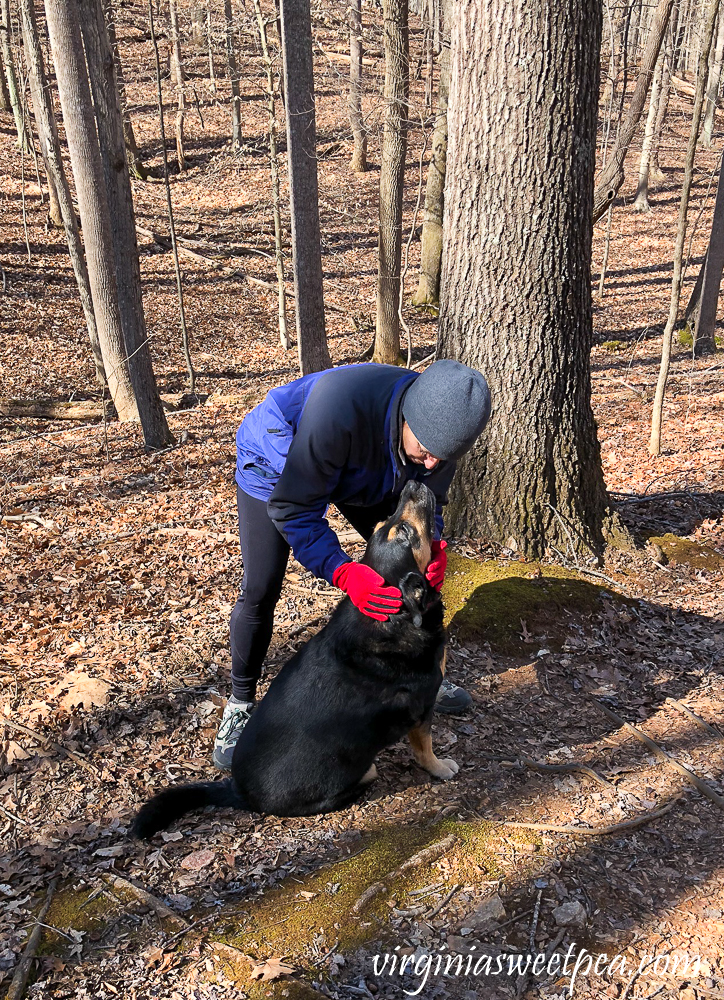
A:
[447,407]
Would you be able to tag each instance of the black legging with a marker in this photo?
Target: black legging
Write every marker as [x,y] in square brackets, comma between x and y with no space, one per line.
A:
[265,553]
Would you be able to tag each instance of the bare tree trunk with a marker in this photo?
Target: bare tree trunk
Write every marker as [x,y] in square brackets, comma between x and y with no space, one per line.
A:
[45,119]
[302,160]
[35,74]
[5,104]
[233,78]
[210,43]
[704,341]
[169,208]
[655,172]
[641,202]
[80,127]
[10,75]
[135,163]
[714,81]
[177,71]
[392,177]
[534,482]
[612,176]
[359,155]
[428,289]
[274,164]
[156,433]
[177,77]
[658,407]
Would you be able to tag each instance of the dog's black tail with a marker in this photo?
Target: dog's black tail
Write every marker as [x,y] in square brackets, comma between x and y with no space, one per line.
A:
[172,803]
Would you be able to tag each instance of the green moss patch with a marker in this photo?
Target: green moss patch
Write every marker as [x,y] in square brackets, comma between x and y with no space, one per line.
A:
[285,922]
[684,550]
[615,346]
[487,601]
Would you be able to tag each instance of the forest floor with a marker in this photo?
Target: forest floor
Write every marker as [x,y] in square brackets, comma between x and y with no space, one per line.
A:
[118,570]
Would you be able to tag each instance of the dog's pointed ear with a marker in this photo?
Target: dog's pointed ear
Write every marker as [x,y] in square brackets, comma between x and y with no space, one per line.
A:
[414,590]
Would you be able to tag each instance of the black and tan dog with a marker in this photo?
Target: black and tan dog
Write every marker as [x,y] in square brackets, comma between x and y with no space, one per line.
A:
[355,688]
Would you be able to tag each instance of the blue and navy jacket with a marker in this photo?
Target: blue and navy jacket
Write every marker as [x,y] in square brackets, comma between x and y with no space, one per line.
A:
[330,436]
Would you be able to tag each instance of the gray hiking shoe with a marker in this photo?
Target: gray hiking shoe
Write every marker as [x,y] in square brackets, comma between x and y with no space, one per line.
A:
[235,717]
[451,698]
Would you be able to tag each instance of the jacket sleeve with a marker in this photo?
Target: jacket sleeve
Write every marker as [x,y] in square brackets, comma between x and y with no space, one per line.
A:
[317,456]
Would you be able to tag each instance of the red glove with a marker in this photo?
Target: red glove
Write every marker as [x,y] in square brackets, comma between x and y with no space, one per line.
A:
[367,590]
[435,572]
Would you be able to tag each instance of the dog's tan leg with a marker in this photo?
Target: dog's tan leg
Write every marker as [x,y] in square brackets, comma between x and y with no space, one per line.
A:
[443,661]
[369,776]
[421,743]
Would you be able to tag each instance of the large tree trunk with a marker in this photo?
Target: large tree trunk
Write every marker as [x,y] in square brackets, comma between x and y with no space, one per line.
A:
[428,289]
[392,178]
[156,433]
[80,127]
[304,194]
[704,342]
[516,285]
[359,154]
[45,119]
[612,176]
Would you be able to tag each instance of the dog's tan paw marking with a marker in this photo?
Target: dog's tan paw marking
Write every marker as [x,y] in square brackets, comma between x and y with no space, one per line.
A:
[370,775]
[444,769]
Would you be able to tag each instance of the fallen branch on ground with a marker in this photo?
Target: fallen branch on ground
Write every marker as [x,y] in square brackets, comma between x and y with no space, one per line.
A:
[20,979]
[593,831]
[695,780]
[145,897]
[19,727]
[426,856]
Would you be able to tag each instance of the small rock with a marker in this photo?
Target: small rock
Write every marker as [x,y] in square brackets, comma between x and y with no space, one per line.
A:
[457,943]
[488,915]
[570,914]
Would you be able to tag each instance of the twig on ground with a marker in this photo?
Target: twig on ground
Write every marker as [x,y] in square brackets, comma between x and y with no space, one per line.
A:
[443,902]
[13,817]
[536,765]
[11,724]
[697,720]
[695,780]
[20,979]
[593,831]
[145,897]
[426,856]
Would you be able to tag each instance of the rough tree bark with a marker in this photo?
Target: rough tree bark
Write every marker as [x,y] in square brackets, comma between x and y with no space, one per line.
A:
[612,176]
[428,289]
[359,135]
[392,176]
[516,285]
[45,119]
[303,189]
[80,126]
[112,147]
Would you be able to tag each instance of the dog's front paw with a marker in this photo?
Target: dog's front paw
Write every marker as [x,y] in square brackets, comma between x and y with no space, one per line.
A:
[444,769]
